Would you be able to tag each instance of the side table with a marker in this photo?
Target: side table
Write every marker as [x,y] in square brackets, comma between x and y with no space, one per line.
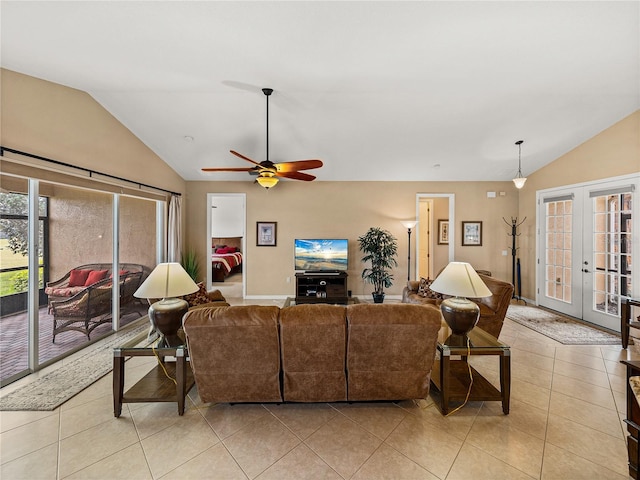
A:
[450,378]
[155,386]
[632,420]
[625,319]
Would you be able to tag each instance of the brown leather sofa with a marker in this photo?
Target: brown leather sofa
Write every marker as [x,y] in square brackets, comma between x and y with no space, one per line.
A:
[312,353]
[492,309]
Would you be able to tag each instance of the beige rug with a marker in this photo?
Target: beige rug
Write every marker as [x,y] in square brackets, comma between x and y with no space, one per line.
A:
[559,327]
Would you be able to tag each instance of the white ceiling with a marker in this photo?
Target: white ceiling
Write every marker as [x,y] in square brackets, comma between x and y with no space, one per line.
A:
[377,90]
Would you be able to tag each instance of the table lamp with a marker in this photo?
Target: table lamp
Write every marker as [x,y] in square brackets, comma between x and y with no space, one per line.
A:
[460,280]
[167,281]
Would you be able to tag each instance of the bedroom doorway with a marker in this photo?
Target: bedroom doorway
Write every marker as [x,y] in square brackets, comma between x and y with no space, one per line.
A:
[226,220]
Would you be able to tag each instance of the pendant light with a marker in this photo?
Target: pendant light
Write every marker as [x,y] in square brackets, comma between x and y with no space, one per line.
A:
[519,180]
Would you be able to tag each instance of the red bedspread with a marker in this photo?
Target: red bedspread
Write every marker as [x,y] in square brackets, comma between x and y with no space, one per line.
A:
[226,260]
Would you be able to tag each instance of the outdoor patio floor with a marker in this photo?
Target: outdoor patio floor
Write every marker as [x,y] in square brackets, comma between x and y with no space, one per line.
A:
[14,335]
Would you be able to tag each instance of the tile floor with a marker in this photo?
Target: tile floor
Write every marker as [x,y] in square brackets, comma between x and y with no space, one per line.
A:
[566,422]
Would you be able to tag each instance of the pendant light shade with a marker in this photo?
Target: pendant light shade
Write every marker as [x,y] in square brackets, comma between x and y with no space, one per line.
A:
[519,180]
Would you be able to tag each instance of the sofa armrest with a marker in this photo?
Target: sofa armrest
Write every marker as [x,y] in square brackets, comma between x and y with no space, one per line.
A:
[61,282]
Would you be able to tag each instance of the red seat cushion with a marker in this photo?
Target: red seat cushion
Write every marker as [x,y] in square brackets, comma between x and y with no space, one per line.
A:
[77,278]
[95,276]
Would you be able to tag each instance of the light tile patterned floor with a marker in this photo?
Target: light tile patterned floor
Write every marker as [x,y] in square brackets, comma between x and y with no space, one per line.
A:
[566,422]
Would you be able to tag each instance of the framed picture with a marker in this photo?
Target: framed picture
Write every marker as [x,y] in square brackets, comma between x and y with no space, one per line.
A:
[443,232]
[266,234]
[471,234]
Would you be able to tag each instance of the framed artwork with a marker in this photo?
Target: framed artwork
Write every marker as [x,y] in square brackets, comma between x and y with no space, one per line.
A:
[266,234]
[443,232]
[471,234]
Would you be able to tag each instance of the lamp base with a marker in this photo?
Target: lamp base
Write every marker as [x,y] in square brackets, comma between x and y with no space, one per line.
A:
[166,317]
[460,314]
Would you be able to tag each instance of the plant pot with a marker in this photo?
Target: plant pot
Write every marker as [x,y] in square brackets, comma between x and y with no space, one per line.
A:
[378,297]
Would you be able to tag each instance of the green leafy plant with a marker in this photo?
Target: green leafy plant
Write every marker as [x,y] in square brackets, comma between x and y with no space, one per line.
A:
[189,262]
[380,248]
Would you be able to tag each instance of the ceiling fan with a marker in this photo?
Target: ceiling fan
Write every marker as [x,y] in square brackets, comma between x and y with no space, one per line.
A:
[268,171]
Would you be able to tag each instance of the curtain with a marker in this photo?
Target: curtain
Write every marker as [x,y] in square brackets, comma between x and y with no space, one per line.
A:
[174,232]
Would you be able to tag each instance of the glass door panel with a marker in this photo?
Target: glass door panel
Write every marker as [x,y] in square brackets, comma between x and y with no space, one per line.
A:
[559,242]
[137,245]
[609,249]
[77,310]
[14,262]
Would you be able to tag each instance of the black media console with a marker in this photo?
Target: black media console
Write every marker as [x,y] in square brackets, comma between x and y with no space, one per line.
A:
[321,287]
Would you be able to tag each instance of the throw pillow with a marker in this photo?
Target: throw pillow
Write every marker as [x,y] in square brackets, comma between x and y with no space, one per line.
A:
[120,273]
[425,291]
[95,276]
[199,297]
[77,278]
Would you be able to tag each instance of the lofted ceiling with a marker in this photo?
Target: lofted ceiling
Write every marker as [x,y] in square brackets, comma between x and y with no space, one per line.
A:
[400,91]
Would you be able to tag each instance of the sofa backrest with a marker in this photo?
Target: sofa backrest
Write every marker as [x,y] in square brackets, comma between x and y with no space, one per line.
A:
[235,353]
[312,353]
[312,340]
[390,350]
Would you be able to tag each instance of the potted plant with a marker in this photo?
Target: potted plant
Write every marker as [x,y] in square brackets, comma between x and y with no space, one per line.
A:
[189,262]
[380,249]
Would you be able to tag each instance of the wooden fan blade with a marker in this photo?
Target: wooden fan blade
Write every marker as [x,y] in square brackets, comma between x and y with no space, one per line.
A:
[298,165]
[228,169]
[243,157]
[296,176]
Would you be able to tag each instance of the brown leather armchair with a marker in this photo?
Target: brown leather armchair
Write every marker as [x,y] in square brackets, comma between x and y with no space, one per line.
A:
[492,309]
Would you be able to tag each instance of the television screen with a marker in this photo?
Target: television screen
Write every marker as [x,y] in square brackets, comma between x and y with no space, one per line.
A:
[321,254]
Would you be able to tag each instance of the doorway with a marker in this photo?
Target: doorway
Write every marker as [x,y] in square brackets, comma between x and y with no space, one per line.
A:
[585,249]
[226,246]
[434,251]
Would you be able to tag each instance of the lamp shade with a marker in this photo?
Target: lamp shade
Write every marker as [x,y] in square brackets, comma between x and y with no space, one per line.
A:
[459,279]
[409,224]
[519,181]
[166,281]
[267,179]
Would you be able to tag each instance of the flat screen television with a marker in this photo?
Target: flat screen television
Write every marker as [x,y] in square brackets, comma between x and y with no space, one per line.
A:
[321,254]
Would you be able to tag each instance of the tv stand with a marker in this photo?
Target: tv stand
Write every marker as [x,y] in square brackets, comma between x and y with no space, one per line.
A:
[321,287]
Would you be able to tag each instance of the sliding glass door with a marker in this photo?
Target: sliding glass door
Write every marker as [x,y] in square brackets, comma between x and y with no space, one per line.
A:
[60,232]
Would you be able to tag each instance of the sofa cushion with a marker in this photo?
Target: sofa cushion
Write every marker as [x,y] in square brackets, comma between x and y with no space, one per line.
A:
[77,278]
[95,276]
[63,291]
[312,345]
[235,353]
[425,290]
[406,334]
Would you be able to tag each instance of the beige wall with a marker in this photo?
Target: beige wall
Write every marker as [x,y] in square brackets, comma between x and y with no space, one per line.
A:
[68,125]
[347,210]
[613,152]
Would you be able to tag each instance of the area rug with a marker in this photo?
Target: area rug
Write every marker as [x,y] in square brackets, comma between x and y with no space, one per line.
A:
[559,327]
[53,389]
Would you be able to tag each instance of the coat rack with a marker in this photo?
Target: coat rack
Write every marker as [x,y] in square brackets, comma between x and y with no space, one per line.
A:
[514,233]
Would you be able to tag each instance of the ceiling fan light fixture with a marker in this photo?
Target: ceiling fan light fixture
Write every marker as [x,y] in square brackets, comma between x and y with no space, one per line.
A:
[267,179]
[519,179]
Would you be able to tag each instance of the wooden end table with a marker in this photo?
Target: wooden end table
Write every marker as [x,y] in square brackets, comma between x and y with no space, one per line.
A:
[450,377]
[625,318]
[155,386]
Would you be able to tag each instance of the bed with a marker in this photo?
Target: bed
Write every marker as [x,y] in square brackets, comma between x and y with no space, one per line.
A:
[226,258]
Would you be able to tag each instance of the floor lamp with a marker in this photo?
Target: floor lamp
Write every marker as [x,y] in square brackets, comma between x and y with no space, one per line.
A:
[409,224]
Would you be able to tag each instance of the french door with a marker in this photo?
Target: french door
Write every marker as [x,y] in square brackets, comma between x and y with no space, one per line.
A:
[587,241]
